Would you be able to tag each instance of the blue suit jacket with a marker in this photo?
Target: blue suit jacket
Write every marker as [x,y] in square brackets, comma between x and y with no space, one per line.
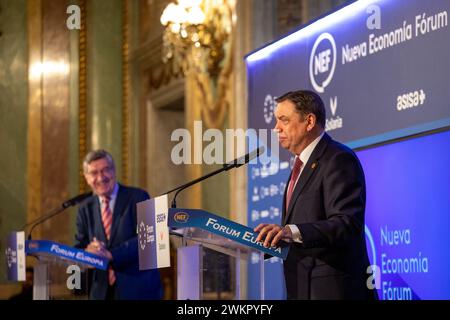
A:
[328,206]
[131,283]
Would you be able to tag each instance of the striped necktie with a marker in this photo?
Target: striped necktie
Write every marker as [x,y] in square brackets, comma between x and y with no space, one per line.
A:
[106,216]
[107,223]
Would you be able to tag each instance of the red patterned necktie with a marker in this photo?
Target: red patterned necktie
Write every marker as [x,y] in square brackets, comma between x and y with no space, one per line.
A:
[295,172]
[107,223]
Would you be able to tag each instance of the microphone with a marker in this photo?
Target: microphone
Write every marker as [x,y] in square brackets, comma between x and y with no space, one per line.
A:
[76,200]
[227,166]
[244,159]
[69,203]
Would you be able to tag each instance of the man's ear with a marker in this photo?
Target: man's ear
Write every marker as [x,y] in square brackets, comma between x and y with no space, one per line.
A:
[311,118]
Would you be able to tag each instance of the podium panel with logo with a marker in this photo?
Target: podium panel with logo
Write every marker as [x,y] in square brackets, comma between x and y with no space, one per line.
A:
[211,250]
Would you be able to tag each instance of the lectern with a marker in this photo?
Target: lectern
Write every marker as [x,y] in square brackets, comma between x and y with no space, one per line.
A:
[204,241]
[51,256]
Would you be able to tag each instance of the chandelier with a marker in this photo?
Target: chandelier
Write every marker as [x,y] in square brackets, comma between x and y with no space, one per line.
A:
[196,37]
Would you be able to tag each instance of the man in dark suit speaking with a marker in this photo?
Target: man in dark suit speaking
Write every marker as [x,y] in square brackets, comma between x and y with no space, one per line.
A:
[323,207]
[106,225]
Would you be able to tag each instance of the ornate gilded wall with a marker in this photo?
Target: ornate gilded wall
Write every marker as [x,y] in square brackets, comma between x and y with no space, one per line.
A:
[13,124]
[63,92]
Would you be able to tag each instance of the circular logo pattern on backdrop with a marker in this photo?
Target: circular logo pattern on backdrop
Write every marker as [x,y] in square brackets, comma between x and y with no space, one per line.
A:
[269,106]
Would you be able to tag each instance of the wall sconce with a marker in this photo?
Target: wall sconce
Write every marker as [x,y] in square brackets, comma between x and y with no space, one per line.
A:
[197,34]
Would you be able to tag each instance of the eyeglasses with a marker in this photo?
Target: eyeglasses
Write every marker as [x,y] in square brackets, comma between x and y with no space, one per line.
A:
[106,171]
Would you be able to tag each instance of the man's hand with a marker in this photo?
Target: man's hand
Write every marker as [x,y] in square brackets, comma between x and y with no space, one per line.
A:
[99,248]
[272,234]
[94,246]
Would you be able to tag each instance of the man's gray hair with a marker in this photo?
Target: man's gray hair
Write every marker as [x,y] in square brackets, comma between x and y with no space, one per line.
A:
[97,155]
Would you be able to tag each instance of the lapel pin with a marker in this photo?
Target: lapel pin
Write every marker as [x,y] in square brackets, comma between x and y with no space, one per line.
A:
[314,165]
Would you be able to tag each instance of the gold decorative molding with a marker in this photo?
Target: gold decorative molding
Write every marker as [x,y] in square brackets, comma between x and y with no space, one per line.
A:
[192,113]
[215,95]
[82,112]
[159,74]
[35,104]
[243,42]
[204,54]
[215,98]
[125,92]
[163,74]
[48,113]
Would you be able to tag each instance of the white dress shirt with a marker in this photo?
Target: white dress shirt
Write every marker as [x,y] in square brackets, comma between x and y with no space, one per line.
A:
[304,157]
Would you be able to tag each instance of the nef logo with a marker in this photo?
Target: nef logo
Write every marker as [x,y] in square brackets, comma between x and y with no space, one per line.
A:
[181,217]
[322,62]
[33,245]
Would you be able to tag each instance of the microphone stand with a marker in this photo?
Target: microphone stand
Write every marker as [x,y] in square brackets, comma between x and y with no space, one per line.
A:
[186,185]
[227,166]
[54,212]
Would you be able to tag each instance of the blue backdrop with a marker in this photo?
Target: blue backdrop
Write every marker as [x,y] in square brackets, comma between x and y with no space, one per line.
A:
[382,69]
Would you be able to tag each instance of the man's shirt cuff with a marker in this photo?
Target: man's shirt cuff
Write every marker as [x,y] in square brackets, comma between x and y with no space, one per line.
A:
[296,236]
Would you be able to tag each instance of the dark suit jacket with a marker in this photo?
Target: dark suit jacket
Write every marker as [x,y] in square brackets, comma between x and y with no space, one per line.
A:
[328,206]
[130,282]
